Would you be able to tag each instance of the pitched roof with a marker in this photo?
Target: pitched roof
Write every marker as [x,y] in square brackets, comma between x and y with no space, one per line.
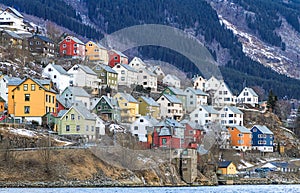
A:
[39,82]
[60,69]
[112,102]
[150,101]
[44,38]
[14,11]
[264,129]
[126,66]
[119,53]
[79,107]
[234,109]
[106,68]
[86,69]
[76,40]
[151,119]
[64,101]
[196,91]
[13,34]
[61,113]
[13,81]
[252,91]
[176,91]
[224,164]
[242,129]
[77,91]
[1,99]
[128,97]
[209,109]
[164,132]
[172,76]
[172,122]
[172,98]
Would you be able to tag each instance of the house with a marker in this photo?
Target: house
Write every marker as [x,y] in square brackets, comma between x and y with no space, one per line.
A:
[62,104]
[227,168]
[262,138]
[223,96]
[116,57]
[212,84]
[193,134]
[137,63]
[72,47]
[107,76]
[231,115]
[158,71]
[199,82]
[95,52]
[11,39]
[179,93]
[2,105]
[204,114]
[58,75]
[171,80]
[83,76]
[12,20]
[248,96]
[99,127]
[170,106]
[4,81]
[194,98]
[141,125]
[30,99]
[73,94]
[78,122]
[129,107]
[148,106]
[147,79]
[127,75]
[240,137]
[108,109]
[41,46]
[188,162]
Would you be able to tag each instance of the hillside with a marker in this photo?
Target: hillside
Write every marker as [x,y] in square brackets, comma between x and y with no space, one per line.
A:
[94,18]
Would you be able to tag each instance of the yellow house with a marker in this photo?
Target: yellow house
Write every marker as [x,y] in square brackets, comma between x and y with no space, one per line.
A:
[2,104]
[227,168]
[30,99]
[148,106]
[96,52]
[129,107]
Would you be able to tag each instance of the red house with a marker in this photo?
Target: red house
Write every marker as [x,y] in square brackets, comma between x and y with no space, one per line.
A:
[62,104]
[116,57]
[72,46]
[163,138]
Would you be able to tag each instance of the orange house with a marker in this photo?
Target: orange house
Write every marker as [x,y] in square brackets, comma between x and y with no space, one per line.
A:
[240,137]
[2,104]
[30,99]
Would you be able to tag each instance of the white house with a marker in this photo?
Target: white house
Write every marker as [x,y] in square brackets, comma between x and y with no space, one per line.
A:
[248,96]
[83,76]
[137,63]
[141,125]
[204,114]
[194,98]
[58,75]
[158,71]
[170,106]
[171,80]
[199,82]
[99,126]
[127,75]
[4,80]
[73,94]
[223,96]
[231,115]
[147,78]
[12,20]
[212,84]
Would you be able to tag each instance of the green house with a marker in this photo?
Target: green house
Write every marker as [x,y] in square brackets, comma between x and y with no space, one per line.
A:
[180,94]
[148,106]
[108,109]
[107,75]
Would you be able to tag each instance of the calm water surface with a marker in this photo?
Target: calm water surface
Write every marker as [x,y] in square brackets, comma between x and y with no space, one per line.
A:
[217,189]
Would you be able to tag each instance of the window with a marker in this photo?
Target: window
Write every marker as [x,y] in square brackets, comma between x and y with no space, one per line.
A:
[136,128]
[64,51]
[240,135]
[230,121]
[38,43]
[196,115]
[67,117]
[27,97]
[46,98]
[240,141]
[254,130]
[64,45]
[86,128]
[67,128]
[122,71]
[75,51]
[53,101]
[77,127]
[72,116]
[141,120]
[27,109]
[54,76]
[122,78]
[78,117]
[164,141]
[25,87]
[230,115]
[33,87]
[92,128]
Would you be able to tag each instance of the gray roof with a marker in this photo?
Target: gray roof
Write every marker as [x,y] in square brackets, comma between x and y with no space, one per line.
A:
[100,46]
[61,113]
[209,109]
[60,69]
[234,109]
[172,122]
[12,34]
[128,97]
[264,129]
[150,101]
[44,38]
[66,103]
[174,77]
[87,69]
[148,72]
[76,40]
[252,91]
[196,91]
[242,129]
[172,98]
[112,102]
[13,81]
[106,68]
[126,66]
[164,132]
[120,53]
[77,91]
[83,111]
[15,12]
[152,120]
[177,91]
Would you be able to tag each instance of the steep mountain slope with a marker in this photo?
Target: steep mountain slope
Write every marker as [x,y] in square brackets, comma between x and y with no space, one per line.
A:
[274,49]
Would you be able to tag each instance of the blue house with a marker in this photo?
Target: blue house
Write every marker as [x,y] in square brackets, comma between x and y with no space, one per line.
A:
[262,138]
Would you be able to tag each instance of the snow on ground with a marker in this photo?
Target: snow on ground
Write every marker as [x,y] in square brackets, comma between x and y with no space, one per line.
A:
[66,143]
[247,164]
[23,132]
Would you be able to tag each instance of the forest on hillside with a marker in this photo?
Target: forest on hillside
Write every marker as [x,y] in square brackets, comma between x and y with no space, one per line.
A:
[196,15]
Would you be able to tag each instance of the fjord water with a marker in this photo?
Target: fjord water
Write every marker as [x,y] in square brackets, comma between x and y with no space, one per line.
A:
[210,189]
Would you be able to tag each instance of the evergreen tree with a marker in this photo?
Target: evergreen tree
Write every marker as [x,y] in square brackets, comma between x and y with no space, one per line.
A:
[272,99]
